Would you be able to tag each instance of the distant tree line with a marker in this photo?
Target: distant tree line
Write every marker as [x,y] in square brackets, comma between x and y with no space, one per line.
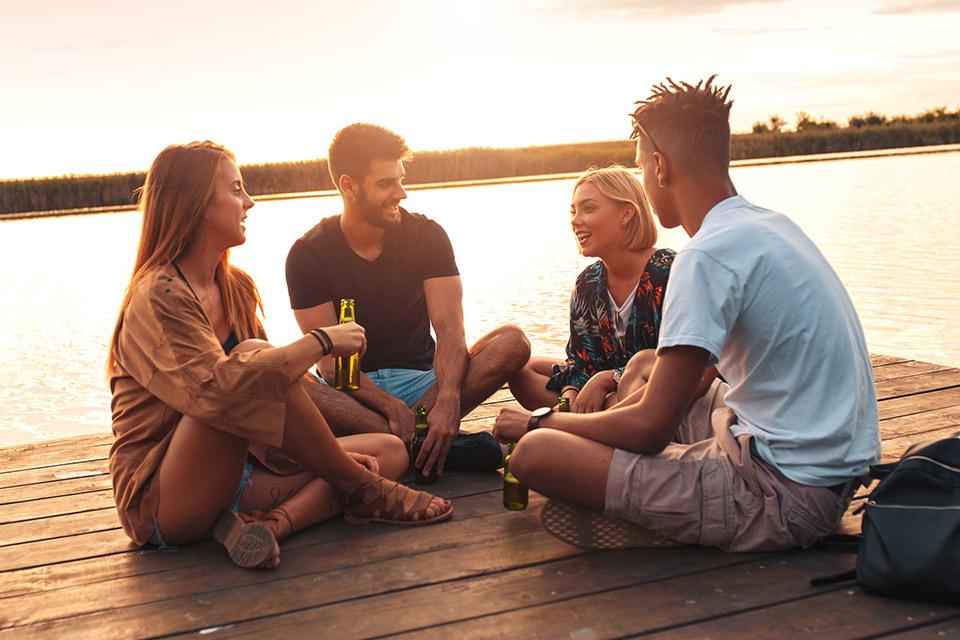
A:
[768,139]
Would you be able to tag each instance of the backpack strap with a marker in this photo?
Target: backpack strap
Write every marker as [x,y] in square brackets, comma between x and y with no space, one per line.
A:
[836,578]
[840,543]
[881,471]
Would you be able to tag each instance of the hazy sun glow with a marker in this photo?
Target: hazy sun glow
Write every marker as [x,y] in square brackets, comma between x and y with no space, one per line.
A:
[103,85]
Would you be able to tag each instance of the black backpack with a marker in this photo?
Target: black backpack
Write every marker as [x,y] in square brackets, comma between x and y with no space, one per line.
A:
[910,545]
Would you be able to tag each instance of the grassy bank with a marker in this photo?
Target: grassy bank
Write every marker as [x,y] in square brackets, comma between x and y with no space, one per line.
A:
[71,192]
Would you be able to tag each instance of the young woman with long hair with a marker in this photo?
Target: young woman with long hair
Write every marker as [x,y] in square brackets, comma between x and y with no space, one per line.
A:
[214,433]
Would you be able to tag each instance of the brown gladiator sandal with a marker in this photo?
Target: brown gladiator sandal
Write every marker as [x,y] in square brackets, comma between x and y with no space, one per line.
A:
[376,499]
[249,544]
[277,519]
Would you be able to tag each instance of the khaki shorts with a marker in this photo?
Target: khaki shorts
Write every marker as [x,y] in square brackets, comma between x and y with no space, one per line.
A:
[708,489]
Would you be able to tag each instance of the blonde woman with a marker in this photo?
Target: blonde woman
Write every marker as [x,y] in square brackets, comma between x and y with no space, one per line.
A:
[214,434]
[617,301]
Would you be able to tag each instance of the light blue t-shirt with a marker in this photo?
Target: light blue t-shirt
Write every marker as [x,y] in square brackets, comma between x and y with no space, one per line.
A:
[752,289]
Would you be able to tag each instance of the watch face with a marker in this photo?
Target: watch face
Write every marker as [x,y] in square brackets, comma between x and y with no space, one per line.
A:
[542,411]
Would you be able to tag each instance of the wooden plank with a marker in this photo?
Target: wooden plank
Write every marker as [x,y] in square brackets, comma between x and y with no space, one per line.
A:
[846,613]
[54,452]
[84,483]
[909,405]
[880,360]
[646,607]
[54,473]
[949,629]
[15,534]
[919,423]
[501,394]
[31,510]
[54,550]
[906,369]
[491,409]
[491,594]
[218,593]
[918,384]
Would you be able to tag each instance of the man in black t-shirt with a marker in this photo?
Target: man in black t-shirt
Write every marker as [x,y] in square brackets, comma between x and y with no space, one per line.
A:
[400,269]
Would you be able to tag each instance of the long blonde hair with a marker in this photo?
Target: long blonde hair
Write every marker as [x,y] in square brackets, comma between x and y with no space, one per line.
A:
[619,184]
[177,191]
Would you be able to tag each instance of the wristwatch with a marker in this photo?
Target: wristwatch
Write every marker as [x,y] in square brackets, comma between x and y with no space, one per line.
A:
[537,416]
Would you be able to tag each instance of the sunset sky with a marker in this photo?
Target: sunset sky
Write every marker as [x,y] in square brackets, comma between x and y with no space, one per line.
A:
[100,86]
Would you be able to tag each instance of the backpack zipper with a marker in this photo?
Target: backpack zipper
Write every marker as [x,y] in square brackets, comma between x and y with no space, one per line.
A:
[871,503]
[936,462]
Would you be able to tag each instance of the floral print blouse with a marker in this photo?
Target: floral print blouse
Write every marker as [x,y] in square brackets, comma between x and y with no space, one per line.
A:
[593,345]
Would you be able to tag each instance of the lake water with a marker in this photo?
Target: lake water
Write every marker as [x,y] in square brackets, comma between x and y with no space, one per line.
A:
[888,226]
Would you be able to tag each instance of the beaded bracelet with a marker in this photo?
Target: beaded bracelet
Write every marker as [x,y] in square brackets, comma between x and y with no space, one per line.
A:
[325,342]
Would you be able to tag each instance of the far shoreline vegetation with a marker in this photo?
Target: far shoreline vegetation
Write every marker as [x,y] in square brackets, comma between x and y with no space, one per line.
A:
[770,139]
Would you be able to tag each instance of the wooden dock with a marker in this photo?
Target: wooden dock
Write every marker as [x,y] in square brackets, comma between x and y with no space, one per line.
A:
[68,571]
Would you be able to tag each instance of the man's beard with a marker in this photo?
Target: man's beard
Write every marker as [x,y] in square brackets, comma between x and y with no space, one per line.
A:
[372,213]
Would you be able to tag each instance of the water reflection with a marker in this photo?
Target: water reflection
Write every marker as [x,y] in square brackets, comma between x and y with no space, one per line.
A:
[887,225]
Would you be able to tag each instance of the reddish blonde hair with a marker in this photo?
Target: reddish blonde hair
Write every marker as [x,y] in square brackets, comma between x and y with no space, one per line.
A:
[177,191]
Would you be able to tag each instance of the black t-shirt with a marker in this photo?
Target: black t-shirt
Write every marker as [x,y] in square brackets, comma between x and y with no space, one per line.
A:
[390,304]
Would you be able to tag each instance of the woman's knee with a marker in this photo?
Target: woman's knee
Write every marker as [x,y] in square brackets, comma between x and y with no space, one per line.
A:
[638,367]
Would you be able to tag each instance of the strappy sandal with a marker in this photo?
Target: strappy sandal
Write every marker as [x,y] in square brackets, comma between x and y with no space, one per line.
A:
[588,529]
[249,544]
[377,499]
[277,519]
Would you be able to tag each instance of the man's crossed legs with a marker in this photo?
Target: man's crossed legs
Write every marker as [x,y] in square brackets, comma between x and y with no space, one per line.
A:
[494,358]
[707,487]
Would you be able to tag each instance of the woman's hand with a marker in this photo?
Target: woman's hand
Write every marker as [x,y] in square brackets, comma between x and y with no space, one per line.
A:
[347,339]
[593,394]
[367,461]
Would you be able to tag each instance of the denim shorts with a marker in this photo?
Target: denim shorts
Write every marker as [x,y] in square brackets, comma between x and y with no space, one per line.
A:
[408,385]
[157,537]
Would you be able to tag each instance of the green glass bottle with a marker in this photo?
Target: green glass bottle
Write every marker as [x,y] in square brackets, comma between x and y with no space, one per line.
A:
[420,429]
[563,405]
[515,495]
[348,367]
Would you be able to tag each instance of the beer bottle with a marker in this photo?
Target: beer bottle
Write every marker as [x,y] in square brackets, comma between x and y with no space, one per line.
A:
[420,429]
[563,405]
[348,367]
[515,495]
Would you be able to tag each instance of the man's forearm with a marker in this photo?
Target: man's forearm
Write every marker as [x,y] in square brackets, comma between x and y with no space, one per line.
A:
[648,419]
[450,366]
[626,428]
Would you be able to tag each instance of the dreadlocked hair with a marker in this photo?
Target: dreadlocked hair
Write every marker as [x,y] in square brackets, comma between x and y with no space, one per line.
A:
[690,123]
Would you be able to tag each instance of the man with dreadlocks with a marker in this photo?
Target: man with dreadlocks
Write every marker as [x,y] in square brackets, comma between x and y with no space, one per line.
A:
[767,458]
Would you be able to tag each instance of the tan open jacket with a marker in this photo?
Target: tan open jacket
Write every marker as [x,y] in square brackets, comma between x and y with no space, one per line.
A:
[170,364]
